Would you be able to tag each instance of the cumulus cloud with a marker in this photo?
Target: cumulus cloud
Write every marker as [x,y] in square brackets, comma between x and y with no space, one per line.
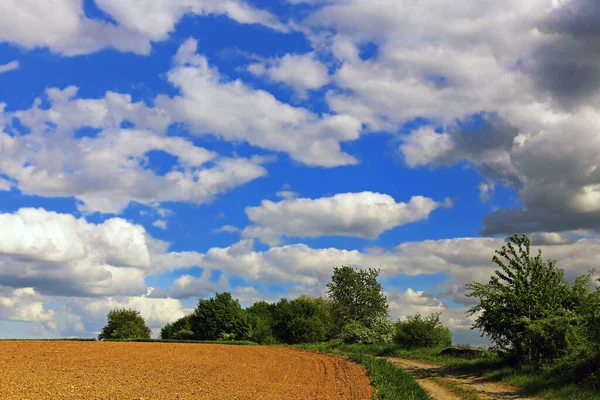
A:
[59,254]
[136,25]
[566,65]
[303,72]
[462,260]
[236,112]
[111,168]
[11,66]
[23,305]
[187,286]
[525,94]
[364,215]
[156,311]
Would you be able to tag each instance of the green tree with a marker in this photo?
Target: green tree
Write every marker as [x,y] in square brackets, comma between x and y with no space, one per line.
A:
[418,331]
[178,330]
[261,318]
[219,317]
[297,321]
[357,295]
[325,312]
[528,307]
[125,324]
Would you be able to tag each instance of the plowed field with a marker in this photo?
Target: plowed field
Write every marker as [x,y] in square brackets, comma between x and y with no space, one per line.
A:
[102,370]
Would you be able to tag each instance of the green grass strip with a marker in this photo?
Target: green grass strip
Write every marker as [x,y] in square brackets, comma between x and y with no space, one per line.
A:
[392,383]
[456,389]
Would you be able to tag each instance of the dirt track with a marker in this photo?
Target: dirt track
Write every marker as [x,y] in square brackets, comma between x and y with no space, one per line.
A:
[429,375]
[94,370]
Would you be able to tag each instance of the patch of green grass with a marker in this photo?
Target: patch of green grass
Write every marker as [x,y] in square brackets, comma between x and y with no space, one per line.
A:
[391,382]
[456,389]
[546,383]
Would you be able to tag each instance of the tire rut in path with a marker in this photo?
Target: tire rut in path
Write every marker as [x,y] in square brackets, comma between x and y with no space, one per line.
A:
[424,372]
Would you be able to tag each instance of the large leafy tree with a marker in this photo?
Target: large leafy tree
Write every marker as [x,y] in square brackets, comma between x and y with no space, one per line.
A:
[125,324]
[528,307]
[219,317]
[357,296]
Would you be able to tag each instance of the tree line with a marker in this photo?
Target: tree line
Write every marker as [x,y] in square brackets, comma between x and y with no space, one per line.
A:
[355,310]
[528,309]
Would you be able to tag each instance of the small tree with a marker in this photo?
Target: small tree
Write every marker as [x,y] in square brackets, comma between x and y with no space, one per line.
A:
[357,296]
[125,324]
[528,307]
[219,316]
[418,331]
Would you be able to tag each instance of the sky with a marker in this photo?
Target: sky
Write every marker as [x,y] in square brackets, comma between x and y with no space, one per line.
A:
[158,151]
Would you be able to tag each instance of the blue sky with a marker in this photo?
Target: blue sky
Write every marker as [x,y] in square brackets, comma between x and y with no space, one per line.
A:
[155,153]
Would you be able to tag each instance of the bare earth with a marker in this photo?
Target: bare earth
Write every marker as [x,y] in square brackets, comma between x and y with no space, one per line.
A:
[95,370]
[427,373]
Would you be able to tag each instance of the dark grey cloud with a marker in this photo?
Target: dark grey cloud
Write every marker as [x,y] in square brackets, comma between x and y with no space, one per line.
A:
[567,65]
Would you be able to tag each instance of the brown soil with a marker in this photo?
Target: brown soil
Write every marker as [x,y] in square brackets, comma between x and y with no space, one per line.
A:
[95,370]
[427,374]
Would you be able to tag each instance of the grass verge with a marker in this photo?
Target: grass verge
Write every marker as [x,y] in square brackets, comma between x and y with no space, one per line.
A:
[545,383]
[456,389]
[391,382]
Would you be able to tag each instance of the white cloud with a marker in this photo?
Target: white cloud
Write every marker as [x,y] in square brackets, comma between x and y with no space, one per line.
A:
[236,112]
[24,305]
[68,32]
[228,229]
[486,191]
[302,72]
[59,254]
[159,223]
[138,24]
[365,215]
[11,66]
[109,170]
[5,185]
[536,73]
[286,194]
[187,286]
[156,312]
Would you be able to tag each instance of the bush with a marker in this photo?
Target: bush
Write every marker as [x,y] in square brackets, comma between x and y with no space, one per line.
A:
[326,313]
[262,331]
[180,330]
[355,332]
[183,334]
[297,321]
[125,324]
[418,331]
[217,316]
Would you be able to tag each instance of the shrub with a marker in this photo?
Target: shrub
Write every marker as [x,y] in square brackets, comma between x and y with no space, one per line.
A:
[418,331]
[355,332]
[125,324]
[179,329]
[297,321]
[217,316]
[183,334]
